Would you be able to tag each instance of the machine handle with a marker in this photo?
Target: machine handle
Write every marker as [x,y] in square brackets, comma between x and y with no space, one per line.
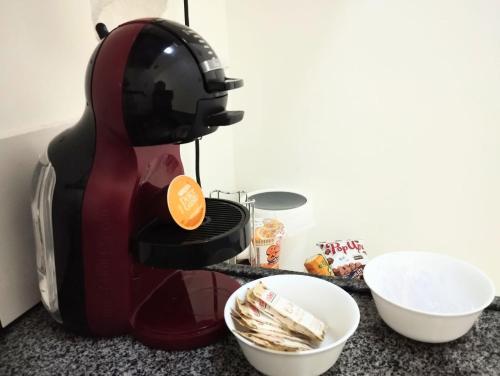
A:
[102,30]
[224,118]
[228,84]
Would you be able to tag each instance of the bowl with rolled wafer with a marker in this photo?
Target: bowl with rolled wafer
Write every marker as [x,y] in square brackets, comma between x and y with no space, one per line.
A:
[291,324]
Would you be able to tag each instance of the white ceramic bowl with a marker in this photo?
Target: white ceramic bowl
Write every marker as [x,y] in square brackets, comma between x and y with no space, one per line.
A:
[428,297]
[324,300]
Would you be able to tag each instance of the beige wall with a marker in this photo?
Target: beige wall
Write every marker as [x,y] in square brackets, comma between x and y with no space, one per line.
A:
[386,113]
[45,49]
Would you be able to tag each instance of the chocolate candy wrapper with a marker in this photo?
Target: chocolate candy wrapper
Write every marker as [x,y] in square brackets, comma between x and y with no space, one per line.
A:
[318,264]
[345,259]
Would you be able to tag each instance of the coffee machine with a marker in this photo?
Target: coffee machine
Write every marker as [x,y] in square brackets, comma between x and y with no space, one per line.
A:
[107,264]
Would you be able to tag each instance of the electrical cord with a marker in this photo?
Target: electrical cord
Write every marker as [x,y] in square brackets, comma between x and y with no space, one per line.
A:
[197,141]
[186,12]
[197,157]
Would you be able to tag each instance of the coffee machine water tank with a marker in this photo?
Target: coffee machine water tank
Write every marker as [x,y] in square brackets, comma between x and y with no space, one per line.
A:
[41,210]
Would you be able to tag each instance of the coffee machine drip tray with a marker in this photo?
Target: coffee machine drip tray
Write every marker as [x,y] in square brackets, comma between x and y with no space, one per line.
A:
[224,233]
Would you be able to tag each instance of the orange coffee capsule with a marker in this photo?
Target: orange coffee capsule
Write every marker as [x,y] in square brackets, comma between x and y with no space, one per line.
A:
[185,202]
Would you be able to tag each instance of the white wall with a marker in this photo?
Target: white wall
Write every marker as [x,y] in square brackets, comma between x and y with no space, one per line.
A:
[385,112]
[45,49]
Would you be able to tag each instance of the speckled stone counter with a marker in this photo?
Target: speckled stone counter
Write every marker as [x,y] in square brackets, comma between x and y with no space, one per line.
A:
[36,345]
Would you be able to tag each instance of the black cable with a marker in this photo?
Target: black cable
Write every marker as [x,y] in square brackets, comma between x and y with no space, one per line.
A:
[197,141]
[197,152]
[186,12]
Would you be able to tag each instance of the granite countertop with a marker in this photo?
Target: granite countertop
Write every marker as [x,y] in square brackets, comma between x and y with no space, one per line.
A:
[36,345]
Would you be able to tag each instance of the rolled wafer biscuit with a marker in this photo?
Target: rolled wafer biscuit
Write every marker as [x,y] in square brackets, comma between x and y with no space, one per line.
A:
[270,330]
[274,343]
[273,322]
[292,315]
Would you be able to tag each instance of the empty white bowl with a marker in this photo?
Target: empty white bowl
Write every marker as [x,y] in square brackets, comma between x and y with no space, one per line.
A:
[426,296]
[324,300]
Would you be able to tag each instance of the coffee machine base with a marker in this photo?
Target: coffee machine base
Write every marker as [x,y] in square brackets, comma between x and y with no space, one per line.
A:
[185,311]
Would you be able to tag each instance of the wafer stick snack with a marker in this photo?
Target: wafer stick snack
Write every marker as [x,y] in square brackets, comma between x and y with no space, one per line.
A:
[271,321]
[276,343]
[293,316]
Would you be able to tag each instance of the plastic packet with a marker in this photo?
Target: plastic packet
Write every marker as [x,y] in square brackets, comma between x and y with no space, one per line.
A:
[267,241]
[339,258]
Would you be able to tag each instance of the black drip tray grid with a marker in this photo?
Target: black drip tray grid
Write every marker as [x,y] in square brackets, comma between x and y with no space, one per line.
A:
[224,233]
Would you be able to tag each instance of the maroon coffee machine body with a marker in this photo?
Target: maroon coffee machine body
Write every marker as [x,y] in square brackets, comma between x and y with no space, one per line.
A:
[107,265]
